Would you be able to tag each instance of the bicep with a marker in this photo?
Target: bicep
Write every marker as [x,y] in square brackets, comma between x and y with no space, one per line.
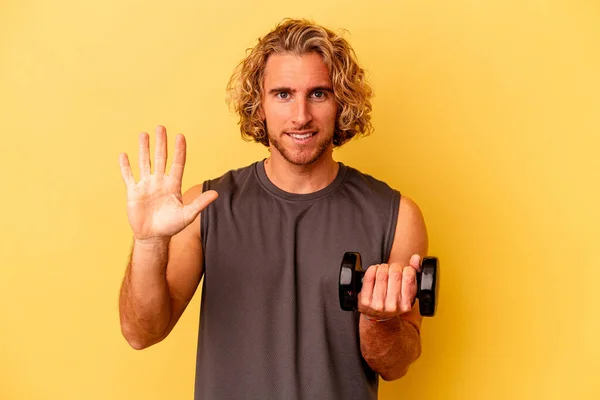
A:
[410,238]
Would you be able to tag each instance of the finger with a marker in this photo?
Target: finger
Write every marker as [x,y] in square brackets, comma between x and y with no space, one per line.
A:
[415,262]
[160,151]
[126,170]
[144,155]
[380,289]
[394,288]
[409,288]
[178,159]
[366,293]
[192,210]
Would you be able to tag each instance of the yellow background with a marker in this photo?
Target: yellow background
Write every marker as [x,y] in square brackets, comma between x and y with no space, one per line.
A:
[487,113]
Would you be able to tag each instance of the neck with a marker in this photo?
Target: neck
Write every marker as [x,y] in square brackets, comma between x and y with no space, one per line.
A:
[301,179]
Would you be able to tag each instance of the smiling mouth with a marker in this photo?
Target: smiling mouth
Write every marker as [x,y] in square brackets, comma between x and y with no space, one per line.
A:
[301,135]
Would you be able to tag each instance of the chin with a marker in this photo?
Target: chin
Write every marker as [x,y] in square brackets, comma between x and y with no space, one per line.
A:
[303,156]
[300,158]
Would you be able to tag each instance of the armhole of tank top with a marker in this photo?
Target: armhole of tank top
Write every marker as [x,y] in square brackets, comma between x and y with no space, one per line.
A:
[393,222]
[204,219]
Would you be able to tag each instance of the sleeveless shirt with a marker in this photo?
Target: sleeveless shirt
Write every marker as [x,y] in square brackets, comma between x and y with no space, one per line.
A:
[271,326]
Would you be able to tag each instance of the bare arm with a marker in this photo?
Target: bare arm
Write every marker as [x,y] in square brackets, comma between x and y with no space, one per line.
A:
[165,264]
[391,346]
[144,303]
[161,279]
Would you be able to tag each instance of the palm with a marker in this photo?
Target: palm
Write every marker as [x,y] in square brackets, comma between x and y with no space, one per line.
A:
[155,205]
[155,208]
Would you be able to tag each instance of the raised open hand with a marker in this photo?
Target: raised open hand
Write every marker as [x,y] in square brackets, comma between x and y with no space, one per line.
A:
[155,204]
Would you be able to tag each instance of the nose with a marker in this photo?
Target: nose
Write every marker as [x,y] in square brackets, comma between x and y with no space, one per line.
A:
[302,113]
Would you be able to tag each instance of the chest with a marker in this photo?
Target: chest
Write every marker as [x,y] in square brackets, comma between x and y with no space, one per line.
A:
[270,249]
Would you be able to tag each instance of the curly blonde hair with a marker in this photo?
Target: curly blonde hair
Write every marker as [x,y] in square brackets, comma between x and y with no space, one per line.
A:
[300,36]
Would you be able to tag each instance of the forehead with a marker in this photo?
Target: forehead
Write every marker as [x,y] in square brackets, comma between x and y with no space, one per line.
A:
[296,71]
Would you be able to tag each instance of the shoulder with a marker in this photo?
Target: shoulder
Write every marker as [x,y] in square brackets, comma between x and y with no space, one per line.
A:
[378,192]
[409,211]
[410,233]
[407,221]
[224,185]
[231,178]
[357,176]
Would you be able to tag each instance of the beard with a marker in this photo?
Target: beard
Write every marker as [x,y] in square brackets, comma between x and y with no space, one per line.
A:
[301,154]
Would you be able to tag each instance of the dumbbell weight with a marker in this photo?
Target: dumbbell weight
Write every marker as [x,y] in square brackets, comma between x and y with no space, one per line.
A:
[351,280]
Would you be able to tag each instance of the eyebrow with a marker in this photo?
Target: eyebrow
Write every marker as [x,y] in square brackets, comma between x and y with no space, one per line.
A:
[280,89]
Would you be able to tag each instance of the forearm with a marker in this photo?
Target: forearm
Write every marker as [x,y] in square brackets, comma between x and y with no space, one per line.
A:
[389,347]
[145,302]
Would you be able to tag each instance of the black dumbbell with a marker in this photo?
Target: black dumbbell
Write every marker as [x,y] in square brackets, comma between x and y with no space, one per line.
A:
[351,280]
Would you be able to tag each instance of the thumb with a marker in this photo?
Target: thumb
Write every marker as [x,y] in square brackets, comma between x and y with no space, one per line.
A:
[192,210]
[415,262]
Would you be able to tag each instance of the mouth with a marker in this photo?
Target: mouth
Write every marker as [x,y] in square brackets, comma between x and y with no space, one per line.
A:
[301,136]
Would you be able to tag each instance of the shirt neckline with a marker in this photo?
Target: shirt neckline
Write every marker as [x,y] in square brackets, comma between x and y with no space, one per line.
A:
[259,168]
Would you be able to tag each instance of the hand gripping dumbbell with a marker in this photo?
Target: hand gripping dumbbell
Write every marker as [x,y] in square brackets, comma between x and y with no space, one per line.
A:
[351,280]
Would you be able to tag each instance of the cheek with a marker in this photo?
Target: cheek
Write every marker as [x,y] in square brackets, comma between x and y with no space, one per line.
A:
[275,115]
[328,115]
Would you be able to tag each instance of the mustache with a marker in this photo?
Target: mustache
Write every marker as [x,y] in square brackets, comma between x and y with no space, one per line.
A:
[300,129]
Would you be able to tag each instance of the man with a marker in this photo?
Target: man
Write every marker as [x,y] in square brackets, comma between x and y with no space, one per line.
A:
[269,238]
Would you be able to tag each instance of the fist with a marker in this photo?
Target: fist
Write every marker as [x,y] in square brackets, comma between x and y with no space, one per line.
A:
[389,290]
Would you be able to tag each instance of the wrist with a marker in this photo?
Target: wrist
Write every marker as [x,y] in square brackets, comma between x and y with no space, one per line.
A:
[375,319]
[150,254]
[152,242]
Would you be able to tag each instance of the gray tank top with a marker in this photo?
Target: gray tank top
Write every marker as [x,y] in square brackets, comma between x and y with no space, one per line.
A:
[271,326]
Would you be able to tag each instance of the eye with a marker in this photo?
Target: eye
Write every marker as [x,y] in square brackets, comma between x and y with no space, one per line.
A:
[319,94]
[283,95]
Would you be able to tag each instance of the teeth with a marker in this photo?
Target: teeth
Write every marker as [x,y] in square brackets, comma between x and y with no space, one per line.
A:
[305,136]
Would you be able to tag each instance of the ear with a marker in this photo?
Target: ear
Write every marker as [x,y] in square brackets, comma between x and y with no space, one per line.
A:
[261,113]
